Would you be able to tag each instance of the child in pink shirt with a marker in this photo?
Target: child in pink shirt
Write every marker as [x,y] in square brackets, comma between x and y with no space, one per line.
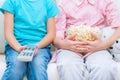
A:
[97,62]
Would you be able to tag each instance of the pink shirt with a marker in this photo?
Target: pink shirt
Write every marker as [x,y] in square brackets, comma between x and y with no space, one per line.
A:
[98,13]
[86,12]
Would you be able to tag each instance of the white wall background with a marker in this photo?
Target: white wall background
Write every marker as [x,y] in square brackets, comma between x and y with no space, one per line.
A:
[1,31]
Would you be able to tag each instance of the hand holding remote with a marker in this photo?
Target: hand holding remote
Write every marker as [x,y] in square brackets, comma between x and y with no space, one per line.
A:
[27,53]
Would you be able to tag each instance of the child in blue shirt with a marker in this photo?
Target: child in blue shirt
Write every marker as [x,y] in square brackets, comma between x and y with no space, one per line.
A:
[28,22]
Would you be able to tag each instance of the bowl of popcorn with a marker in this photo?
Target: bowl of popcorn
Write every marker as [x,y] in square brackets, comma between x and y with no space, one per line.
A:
[83,32]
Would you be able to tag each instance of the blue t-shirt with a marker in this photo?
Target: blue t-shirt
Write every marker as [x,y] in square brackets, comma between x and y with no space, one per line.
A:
[30,18]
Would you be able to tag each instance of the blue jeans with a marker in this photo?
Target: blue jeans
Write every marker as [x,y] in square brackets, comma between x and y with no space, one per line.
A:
[35,70]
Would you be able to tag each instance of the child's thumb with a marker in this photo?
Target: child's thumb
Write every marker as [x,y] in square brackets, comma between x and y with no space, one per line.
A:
[96,37]
[71,37]
[36,51]
[23,47]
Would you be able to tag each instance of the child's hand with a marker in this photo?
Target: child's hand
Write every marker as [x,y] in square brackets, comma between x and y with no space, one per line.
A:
[36,51]
[37,48]
[75,46]
[96,45]
[71,37]
[20,48]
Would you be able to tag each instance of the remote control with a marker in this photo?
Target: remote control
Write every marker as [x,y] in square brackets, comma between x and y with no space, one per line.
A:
[27,54]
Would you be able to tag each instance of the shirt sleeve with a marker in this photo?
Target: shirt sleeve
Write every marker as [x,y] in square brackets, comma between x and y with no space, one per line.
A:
[112,14]
[8,5]
[52,8]
[61,24]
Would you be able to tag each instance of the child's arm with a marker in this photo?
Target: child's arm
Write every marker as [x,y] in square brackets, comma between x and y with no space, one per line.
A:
[50,34]
[8,30]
